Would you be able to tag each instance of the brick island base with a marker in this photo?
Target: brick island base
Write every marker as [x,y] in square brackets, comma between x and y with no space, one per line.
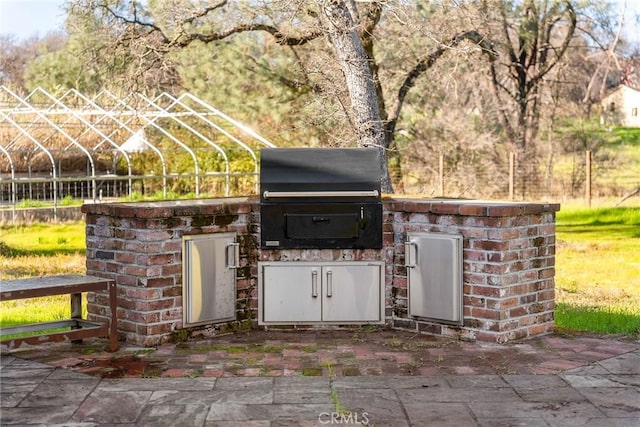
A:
[508,263]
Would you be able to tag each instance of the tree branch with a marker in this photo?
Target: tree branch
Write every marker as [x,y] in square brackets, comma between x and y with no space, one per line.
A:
[610,55]
[505,31]
[185,38]
[302,86]
[502,110]
[424,64]
[281,39]
[136,21]
[565,44]
[204,12]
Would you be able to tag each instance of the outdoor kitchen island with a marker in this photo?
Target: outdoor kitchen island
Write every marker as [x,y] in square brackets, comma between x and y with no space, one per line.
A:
[191,267]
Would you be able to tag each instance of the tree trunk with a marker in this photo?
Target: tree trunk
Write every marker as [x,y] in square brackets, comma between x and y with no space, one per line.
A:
[365,113]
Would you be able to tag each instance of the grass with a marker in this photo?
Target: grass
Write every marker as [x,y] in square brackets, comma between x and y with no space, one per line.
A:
[30,203]
[337,404]
[623,149]
[615,160]
[40,250]
[20,312]
[598,270]
[43,239]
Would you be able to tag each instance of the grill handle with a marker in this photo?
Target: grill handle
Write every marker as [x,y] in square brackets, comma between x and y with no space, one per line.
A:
[284,194]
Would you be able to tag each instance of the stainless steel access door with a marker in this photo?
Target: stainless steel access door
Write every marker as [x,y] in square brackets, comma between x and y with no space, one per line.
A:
[353,292]
[290,292]
[434,269]
[209,263]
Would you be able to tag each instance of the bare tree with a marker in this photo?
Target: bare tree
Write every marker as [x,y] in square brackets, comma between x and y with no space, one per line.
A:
[347,26]
[532,36]
[603,42]
[16,55]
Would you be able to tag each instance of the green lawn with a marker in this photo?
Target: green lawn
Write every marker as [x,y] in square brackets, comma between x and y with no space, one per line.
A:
[40,250]
[42,239]
[598,270]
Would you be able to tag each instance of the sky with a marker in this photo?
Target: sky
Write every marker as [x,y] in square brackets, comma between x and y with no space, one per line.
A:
[26,18]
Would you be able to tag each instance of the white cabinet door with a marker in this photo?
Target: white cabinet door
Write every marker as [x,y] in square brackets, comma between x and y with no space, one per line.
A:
[209,278]
[309,292]
[290,293]
[352,293]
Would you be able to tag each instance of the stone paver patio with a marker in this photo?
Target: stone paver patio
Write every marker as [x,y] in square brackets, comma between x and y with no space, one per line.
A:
[357,352]
[356,377]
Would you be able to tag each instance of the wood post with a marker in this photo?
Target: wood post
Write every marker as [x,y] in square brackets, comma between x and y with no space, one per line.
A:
[588,178]
[512,174]
[441,172]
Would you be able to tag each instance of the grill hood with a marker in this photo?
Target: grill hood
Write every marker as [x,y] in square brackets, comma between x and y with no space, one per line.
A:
[320,170]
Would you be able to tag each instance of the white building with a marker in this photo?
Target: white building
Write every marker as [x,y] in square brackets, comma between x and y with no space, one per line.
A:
[621,107]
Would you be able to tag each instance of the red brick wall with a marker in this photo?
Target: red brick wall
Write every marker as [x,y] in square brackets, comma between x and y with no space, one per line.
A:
[508,265]
[509,262]
[140,246]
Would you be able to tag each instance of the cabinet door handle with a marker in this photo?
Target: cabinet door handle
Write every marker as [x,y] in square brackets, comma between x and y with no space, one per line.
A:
[329,284]
[232,257]
[314,284]
[407,254]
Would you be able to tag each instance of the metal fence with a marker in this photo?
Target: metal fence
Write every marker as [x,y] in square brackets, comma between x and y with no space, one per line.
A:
[34,189]
[583,179]
[579,176]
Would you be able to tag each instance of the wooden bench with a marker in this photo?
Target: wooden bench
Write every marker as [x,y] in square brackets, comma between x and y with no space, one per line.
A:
[74,285]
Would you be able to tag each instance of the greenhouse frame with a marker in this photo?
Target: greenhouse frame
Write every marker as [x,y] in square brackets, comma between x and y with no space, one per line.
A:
[111,147]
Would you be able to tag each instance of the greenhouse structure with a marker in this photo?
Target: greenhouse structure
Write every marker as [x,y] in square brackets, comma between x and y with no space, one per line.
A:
[73,146]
